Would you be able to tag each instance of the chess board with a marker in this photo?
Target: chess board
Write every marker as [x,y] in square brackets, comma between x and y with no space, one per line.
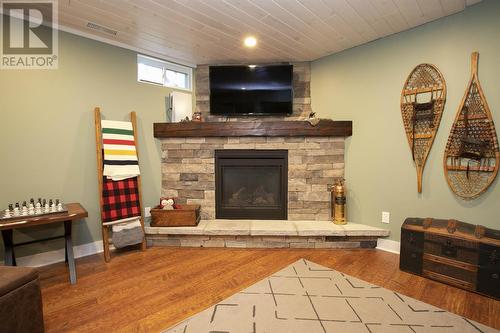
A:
[42,212]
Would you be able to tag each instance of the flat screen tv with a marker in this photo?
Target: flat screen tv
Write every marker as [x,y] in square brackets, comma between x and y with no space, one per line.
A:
[251,90]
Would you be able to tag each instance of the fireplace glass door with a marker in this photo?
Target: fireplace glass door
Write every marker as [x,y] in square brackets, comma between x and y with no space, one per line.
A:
[251,184]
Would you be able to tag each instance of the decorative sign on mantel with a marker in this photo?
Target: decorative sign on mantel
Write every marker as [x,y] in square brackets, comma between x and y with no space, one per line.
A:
[325,127]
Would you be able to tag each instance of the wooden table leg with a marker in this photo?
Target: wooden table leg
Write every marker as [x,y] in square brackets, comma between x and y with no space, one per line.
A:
[8,243]
[69,251]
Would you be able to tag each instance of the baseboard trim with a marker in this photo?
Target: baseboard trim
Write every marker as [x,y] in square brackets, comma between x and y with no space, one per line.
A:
[52,257]
[388,245]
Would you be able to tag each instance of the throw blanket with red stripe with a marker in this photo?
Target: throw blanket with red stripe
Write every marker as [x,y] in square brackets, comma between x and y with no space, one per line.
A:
[120,155]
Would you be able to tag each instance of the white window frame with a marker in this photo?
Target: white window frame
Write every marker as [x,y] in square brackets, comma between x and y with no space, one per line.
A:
[165,65]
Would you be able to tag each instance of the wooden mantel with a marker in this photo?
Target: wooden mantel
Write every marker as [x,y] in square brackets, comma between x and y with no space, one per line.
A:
[325,127]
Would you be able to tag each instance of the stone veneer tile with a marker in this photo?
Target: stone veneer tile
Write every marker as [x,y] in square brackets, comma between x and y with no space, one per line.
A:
[273,228]
[317,228]
[198,230]
[267,245]
[302,245]
[236,244]
[214,243]
[337,245]
[191,242]
[166,242]
[232,227]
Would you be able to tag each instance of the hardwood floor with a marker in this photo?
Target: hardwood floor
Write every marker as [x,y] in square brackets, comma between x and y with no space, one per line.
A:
[152,290]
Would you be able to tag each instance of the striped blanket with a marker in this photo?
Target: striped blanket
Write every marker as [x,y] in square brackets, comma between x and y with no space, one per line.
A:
[120,156]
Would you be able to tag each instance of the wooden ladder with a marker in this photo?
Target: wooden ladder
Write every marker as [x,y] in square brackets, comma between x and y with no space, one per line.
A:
[100,166]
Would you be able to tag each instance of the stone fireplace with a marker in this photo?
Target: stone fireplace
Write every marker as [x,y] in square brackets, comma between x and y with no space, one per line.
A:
[315,156]
[249,172]
[251,184]
[200,159]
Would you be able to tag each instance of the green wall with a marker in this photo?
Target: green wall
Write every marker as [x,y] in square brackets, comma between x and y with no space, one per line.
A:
[364,84]
[48,136]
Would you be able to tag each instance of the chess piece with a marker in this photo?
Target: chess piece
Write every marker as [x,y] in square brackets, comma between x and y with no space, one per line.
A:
[8,211]
[17,210]
[52,204]
[31,207]
[46,207]
[24,210]
[59,205]
[38,204]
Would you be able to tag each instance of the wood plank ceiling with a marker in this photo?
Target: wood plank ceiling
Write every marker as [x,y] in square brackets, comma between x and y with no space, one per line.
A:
[211,31]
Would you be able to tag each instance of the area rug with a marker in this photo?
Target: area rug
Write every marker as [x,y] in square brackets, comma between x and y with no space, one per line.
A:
[308,298]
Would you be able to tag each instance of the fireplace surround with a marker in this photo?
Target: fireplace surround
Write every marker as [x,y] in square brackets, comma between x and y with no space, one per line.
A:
[251,184]
[315,156]
[315,160]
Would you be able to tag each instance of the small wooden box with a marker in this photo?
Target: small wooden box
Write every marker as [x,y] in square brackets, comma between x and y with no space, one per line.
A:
[186,216]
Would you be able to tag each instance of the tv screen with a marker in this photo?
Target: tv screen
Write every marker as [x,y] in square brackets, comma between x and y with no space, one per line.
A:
[251,90]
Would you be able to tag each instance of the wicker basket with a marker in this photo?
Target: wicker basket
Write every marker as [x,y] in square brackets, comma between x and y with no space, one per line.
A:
[186,216]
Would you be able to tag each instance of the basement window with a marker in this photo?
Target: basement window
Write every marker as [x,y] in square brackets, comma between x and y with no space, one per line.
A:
[155,71]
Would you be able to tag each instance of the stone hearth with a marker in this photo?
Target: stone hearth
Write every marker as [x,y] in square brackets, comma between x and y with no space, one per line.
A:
[266,234]
[314,162]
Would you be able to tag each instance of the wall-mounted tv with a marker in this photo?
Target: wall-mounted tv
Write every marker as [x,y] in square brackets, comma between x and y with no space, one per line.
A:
[251,90]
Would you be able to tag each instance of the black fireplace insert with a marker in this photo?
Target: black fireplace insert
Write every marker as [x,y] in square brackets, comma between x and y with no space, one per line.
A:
[251,184]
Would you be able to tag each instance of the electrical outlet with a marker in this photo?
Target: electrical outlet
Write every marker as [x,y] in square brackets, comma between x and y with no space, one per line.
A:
[386,217]
[147,211]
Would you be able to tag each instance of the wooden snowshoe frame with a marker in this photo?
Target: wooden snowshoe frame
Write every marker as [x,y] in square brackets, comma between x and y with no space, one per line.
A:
[421,119]
[471,157]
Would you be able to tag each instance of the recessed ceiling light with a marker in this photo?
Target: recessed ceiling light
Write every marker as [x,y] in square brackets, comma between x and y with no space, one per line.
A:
[252,66]
[250,41]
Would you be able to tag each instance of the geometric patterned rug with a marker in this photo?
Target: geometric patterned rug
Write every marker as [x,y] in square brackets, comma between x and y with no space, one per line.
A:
[307,297]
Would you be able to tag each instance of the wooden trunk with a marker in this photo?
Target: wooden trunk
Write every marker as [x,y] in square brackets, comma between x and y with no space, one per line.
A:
[452,252]
[186,216]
